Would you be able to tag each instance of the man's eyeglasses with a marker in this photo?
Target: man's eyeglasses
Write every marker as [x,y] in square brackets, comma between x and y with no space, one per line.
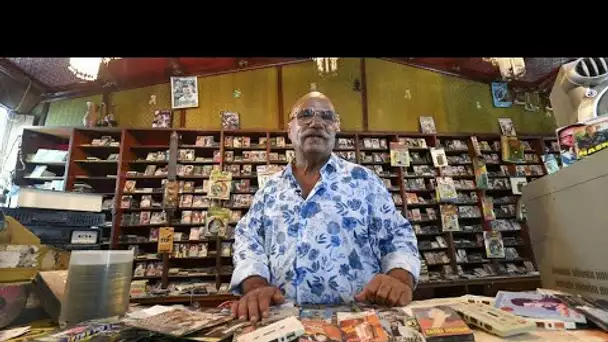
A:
[305,115]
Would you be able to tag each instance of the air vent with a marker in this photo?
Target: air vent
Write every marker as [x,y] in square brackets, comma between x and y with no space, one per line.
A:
[592,67]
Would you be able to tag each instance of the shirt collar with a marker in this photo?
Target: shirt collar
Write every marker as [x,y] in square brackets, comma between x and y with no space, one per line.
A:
[330,167]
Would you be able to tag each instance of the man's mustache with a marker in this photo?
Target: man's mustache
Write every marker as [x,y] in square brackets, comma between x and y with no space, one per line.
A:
[315,133]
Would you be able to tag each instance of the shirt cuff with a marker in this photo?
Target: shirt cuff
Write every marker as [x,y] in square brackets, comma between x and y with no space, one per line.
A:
[402,260]
[245,270]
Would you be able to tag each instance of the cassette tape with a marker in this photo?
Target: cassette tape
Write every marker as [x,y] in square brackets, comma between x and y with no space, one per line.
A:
[494,320]
[285,330]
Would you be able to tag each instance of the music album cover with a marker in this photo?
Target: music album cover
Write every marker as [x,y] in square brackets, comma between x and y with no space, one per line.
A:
[400,155]
[439,157]
[449,217]
[361,326]
[217,221]
[482,180]
[89,330]
[591,137]
[219,333]
[487,206]
[439,322]
[517,184]
[320,330]
[398,323]
[595,310]
[446,189]
[536,305]
[171,196]
[231,120]
[512,149]
[219,185]
[550,163]
[476,147]
[316,314]
[427,125]
[179,322]
[567,146]
[494,244]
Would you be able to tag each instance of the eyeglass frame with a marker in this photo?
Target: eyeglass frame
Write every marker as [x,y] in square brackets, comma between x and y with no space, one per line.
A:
[305,121]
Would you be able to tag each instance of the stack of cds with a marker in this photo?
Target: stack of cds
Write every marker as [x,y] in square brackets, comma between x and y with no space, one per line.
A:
[97,286]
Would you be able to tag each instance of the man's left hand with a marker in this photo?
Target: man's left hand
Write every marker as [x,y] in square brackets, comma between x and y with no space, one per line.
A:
[386,290]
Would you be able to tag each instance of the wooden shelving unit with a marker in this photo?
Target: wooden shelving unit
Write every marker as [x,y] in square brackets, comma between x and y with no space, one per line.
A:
[412,189]
[33,139]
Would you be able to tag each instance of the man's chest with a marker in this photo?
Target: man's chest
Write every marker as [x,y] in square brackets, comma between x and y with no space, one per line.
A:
[331,215]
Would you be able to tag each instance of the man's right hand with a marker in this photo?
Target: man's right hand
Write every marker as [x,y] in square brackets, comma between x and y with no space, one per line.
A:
[256,301]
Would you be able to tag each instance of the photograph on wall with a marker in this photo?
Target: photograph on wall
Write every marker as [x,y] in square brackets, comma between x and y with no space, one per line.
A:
[184,92]
[506,126]
[501,97]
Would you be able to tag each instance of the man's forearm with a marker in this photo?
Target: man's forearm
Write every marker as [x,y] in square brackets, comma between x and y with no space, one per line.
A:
[403,276]
[253,283]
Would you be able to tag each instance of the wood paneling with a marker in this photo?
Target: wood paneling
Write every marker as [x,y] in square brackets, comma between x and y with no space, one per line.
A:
[132,109]
[257,104]
[69,113]
[297,79]
[397,95]
[451,101]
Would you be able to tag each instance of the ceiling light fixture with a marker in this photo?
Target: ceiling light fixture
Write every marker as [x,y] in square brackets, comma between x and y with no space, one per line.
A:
[510,68]
[87,68]
[326,65]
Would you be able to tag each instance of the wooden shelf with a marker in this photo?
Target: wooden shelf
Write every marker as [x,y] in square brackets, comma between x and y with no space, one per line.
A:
[136,144]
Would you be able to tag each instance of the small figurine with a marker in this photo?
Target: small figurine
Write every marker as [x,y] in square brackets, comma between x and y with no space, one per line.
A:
[90,117]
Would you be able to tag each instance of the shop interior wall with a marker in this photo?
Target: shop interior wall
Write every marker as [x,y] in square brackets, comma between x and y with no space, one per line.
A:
[396,96]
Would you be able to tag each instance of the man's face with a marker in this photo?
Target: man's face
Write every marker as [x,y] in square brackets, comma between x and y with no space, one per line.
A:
[316,135]
[568,139]
[187,90]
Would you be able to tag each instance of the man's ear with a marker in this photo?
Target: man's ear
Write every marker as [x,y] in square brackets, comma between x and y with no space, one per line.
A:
[288,130]
[337,122]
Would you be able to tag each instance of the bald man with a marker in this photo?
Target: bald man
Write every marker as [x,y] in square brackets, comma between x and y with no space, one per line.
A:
[323,231]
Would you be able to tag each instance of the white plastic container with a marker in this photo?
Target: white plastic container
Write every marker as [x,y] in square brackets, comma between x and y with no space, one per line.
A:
[97,286]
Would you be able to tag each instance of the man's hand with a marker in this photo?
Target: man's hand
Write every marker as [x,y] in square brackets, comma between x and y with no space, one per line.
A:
[386,290]
[257,300]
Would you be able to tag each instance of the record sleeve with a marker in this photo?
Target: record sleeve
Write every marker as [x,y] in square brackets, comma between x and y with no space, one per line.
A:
[439,322]
[179,322]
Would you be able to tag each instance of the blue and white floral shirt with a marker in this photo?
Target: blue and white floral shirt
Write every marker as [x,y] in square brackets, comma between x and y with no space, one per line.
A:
[323,249]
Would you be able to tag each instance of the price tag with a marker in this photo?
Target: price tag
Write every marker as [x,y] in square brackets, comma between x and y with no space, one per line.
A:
[165,240]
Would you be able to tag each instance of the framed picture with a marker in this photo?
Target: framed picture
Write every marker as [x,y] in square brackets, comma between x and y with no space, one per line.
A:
[184,92]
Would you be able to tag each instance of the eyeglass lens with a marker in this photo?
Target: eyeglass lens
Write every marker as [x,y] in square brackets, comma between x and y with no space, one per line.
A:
[307,114]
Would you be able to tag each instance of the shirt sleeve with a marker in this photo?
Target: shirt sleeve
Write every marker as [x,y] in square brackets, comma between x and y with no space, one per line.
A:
[391,235]
[249,256]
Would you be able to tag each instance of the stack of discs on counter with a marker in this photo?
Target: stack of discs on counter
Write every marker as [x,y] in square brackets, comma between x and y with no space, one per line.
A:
[97,286]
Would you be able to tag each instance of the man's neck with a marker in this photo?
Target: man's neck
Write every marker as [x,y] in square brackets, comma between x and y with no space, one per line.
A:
[310,164]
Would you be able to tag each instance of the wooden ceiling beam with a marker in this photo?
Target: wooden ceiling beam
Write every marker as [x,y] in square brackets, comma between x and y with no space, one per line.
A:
[15,72]
[467,74]
[473,76]
[95,88]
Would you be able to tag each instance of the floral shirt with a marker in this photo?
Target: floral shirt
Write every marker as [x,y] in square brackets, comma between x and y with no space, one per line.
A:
[323,249]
